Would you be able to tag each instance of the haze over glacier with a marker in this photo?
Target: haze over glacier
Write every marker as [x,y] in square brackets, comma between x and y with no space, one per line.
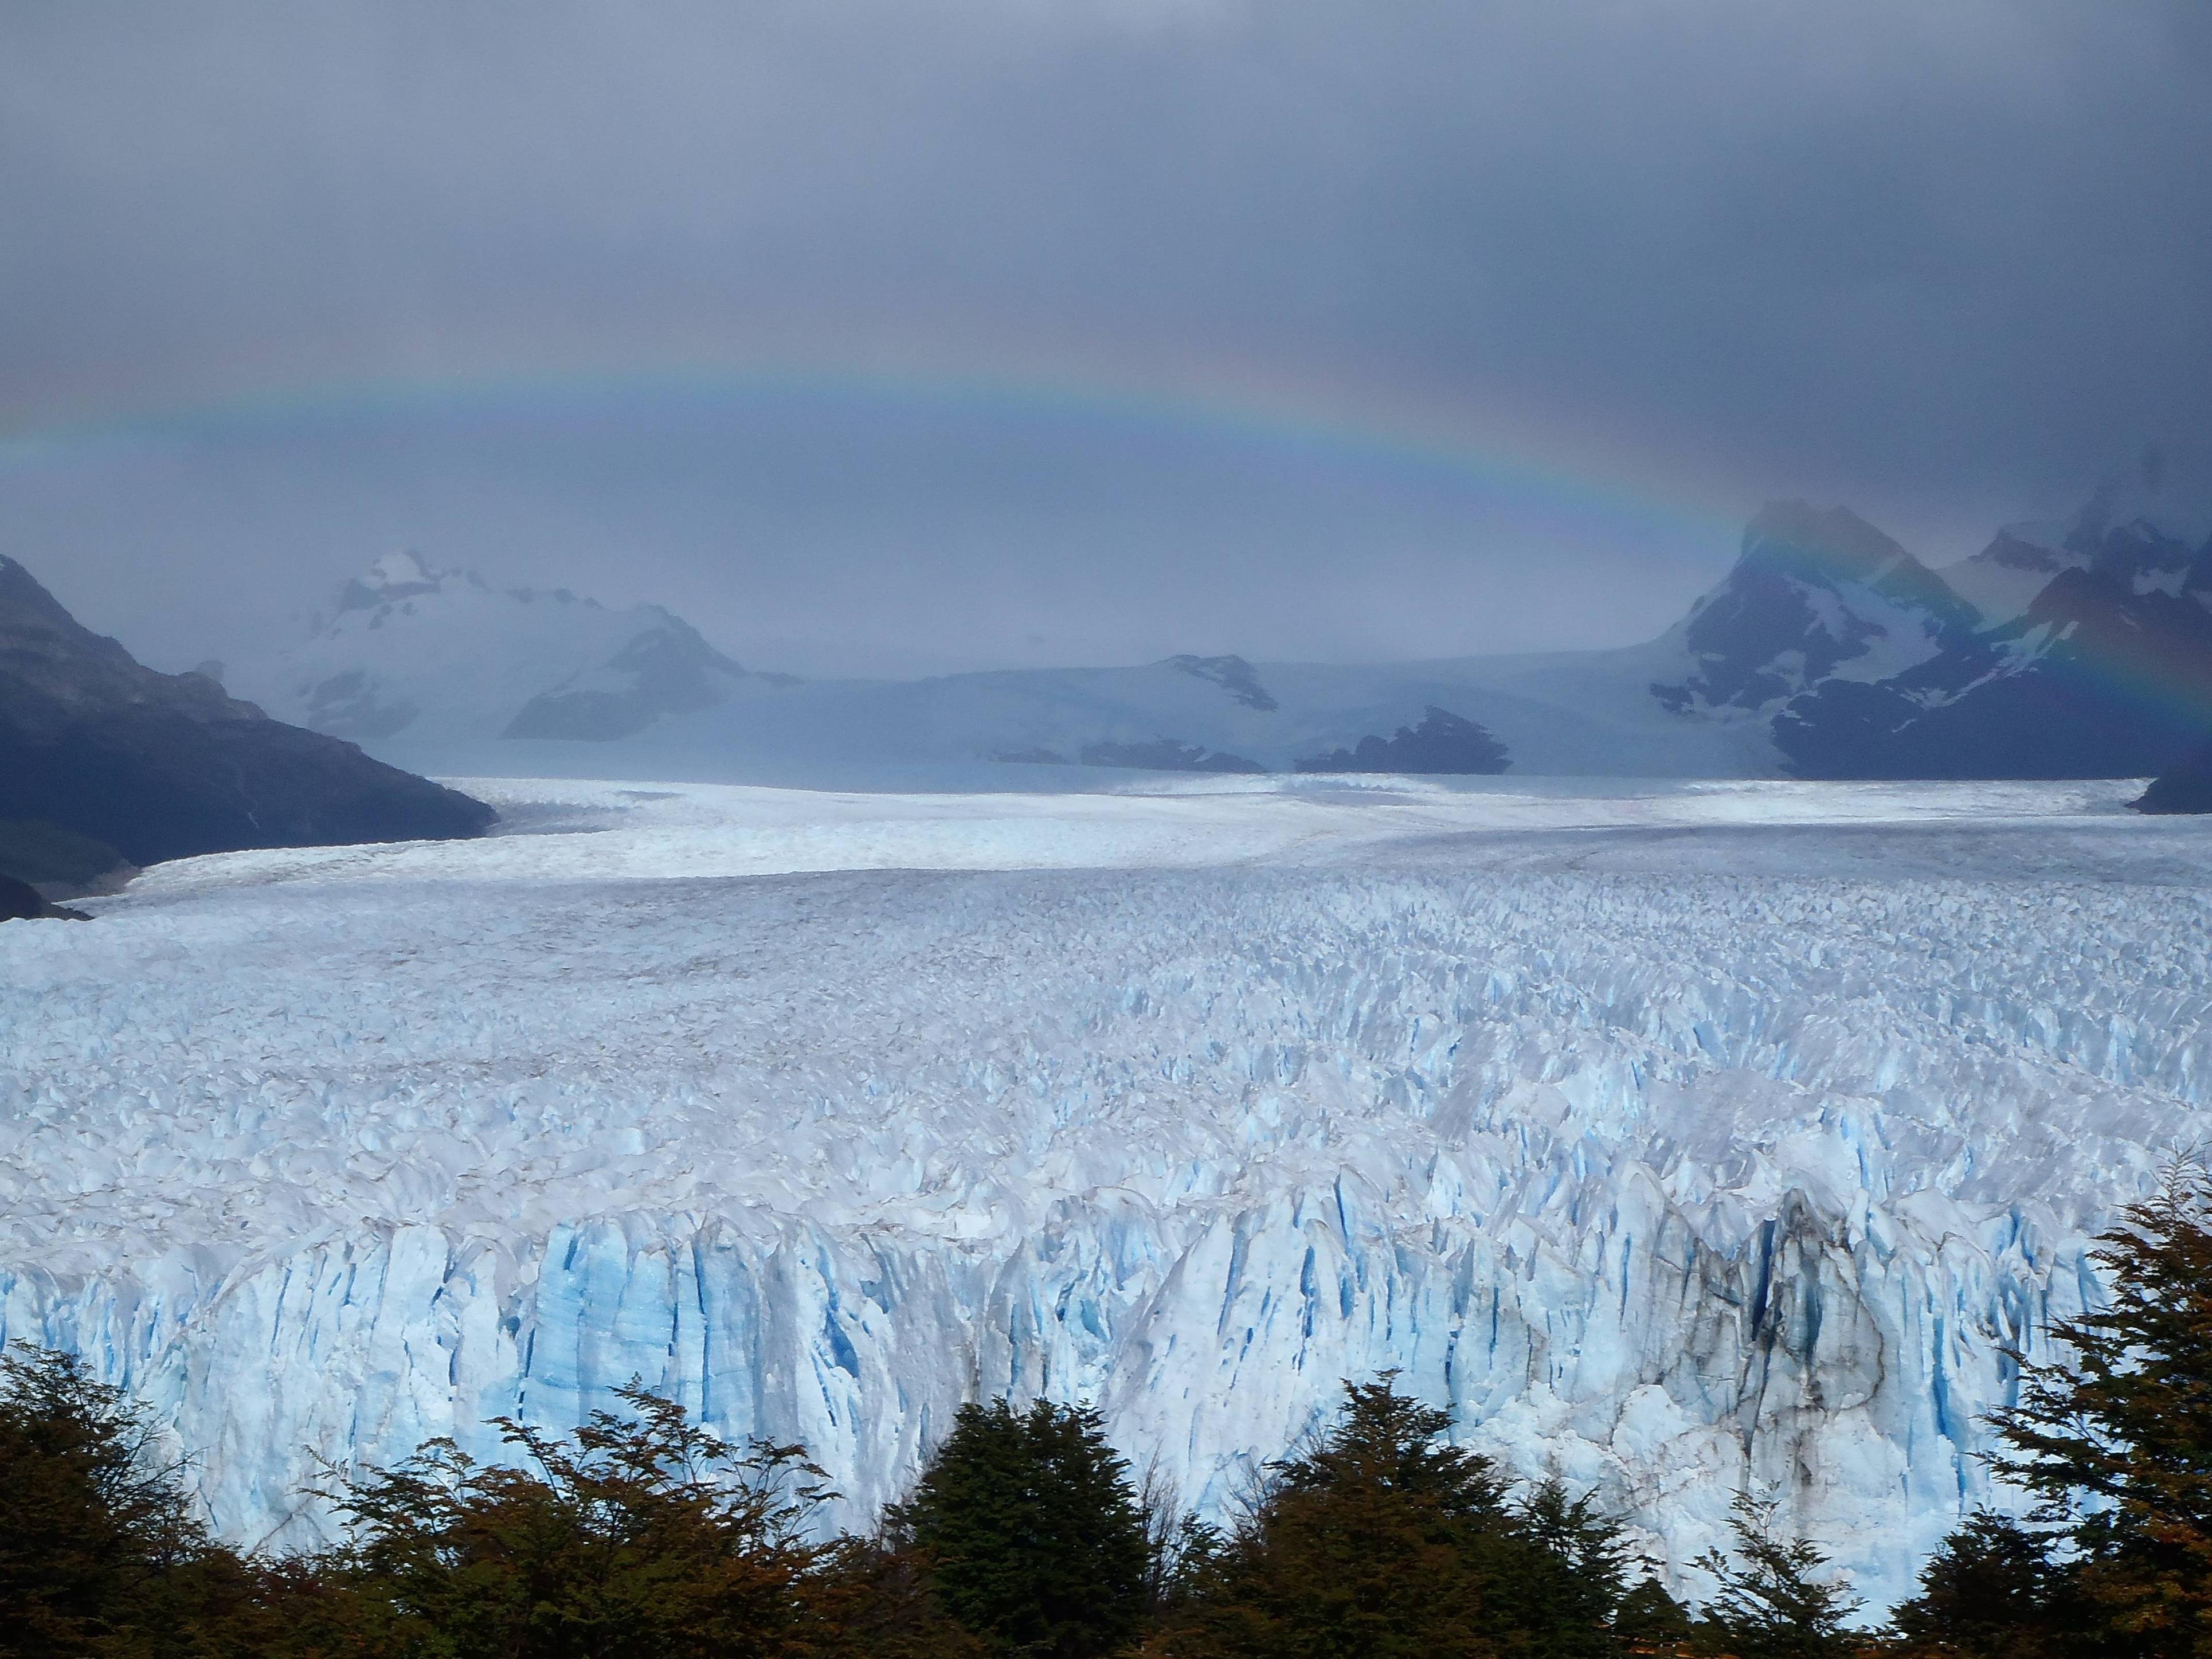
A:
[1679,1136]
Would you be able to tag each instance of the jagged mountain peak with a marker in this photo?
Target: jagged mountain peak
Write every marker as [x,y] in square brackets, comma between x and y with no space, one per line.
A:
[1821,543]
[393,579]
[2145,504]
[1834,548]
[2139,530]
[22,593]
[1815,592]
[54,669]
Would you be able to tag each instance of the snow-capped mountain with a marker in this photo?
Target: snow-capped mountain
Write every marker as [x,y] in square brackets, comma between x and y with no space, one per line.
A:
[1816,595]
[2105,671]
[2003,578]
[2135,527]
[1052,728]
[423,656]
[441,671]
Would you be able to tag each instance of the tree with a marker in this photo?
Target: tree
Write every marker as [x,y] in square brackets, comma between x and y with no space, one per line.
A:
[1774,1601]
[1385,1541]
[100,1551]
[877,1603]
[1649,1620]
[636,1538]
[1026,1526]
[1990,1591]
[2117,1445]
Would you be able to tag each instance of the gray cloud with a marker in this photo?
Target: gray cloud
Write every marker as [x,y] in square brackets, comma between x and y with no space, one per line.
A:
[1942,262]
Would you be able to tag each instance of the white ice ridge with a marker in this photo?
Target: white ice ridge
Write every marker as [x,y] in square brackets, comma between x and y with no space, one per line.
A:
[1677,1139]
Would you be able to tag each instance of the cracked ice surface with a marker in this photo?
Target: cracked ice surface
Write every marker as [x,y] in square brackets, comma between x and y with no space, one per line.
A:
[1676,1139]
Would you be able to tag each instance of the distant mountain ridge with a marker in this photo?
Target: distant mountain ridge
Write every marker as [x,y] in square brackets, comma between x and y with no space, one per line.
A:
[162,766]
[2105,672]
[410,649]
[1828,650]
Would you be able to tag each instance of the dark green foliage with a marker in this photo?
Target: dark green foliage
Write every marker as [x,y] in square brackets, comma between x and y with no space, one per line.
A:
[100,1550]
[1992,1591]
[1581,1570]
[1777,1600]
[643,1536]
[1386,1542]
[877,1603]
[2117,1444]
[1027,1527]
[637,1538]
[1649,1620]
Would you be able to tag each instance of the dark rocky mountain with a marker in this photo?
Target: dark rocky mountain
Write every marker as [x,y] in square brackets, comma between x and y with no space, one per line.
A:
[60,863]
[1442,743]
[21,901]
[1815,593]
[2107,673]
[162,765]
[2185,787]
[1233,675]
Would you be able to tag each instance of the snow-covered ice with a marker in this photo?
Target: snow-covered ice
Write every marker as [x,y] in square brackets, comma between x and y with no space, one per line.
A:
[1676,1136]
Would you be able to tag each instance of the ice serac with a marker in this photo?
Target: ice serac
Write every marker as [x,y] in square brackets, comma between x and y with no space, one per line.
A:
[1664,1173]
[97,746]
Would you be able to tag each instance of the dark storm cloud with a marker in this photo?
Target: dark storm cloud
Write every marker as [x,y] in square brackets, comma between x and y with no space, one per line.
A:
[1944,262]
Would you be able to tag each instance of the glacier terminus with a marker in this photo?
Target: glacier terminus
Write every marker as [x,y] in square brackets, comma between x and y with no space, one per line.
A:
[1680,1138]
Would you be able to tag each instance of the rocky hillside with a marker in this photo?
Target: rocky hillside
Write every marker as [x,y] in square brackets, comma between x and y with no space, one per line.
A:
[163,766]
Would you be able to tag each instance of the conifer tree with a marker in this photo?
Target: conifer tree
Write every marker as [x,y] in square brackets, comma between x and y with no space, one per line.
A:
[1776,1599]
[1027,1527]
[1385,1541]
[1649,1620]
[2118,1444]
[1990,1591]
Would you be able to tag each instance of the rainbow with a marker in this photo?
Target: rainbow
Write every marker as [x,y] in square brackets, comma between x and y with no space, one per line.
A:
[1215,402]
[1234,405]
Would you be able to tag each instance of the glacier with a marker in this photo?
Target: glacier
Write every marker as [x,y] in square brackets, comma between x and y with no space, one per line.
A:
[1678,1138]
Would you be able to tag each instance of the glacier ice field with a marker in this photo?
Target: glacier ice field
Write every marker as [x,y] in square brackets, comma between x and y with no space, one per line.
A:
[1680,1137]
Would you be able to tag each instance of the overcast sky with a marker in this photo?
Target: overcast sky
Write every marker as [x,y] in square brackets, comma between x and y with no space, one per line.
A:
[895,334]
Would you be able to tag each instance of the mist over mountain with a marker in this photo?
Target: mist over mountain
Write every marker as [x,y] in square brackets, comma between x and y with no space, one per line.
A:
[1828,650]
[408,650]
